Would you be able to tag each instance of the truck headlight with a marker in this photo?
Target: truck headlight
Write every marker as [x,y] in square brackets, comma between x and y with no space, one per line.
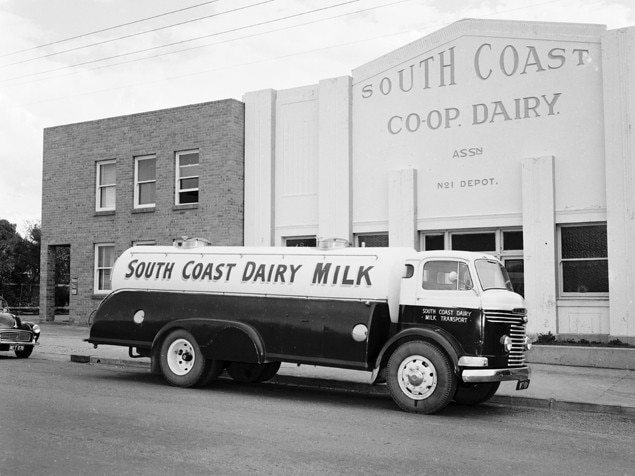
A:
[507,343]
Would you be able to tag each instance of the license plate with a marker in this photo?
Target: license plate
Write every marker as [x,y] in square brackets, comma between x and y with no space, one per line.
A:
[19,347]
[522,384]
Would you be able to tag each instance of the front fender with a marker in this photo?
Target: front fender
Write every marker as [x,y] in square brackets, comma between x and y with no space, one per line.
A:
[439,336]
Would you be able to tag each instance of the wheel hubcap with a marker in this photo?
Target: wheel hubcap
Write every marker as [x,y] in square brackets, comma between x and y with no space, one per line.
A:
[417,377]
[181,356]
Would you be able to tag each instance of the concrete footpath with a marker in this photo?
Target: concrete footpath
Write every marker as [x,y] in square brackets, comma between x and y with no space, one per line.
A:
[553,387]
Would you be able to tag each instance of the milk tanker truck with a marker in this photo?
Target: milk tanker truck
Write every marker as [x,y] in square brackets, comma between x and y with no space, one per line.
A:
[433,326]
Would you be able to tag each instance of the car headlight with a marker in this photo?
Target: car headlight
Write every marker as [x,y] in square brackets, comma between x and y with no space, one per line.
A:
[36,328]
[507,343]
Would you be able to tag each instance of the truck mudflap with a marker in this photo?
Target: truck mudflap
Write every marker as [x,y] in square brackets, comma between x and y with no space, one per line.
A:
[521,374]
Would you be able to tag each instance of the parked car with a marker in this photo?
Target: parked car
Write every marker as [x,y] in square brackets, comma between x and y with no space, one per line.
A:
[20,337]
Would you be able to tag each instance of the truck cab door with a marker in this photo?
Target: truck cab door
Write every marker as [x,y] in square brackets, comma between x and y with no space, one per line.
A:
[446,296]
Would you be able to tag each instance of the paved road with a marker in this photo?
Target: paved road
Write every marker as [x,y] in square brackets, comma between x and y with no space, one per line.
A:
[69,418]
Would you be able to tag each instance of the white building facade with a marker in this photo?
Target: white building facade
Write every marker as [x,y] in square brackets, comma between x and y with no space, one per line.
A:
[511,138]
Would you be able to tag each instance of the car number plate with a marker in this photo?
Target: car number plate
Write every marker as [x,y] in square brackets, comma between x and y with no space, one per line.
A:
[19,347]
[522,384]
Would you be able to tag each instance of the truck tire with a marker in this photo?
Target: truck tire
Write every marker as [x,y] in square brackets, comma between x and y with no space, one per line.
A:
[252,373]
[420,377]
[24,353]
[181,360]
[214,369]
[473,394]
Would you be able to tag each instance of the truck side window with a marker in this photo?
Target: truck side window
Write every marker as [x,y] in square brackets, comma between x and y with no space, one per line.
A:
[446,275]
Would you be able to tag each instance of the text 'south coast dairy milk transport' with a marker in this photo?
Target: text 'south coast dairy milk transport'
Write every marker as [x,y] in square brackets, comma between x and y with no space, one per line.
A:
[435,326]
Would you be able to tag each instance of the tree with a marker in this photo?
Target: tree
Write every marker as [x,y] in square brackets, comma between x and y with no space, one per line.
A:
[19,264]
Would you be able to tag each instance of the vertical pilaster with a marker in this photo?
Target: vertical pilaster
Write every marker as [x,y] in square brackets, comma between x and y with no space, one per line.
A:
[539,235]
[334,158]
[618,72]
[260,107]
[402,208]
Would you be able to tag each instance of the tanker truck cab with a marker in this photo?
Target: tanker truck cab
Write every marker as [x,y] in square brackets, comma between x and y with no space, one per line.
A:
[462,329]
[434,326]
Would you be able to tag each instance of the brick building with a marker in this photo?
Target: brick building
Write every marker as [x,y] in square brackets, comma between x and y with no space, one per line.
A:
[144,178]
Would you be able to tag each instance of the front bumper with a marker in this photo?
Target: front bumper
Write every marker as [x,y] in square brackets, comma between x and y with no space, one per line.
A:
[495,375]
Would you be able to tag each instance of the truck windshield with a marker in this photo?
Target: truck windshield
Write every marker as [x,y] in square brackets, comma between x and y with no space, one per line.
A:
[493,275]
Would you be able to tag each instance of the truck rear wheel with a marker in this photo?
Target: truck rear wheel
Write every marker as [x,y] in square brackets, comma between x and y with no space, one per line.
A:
[252,373]
[473,394]
[420,377]
[181,360]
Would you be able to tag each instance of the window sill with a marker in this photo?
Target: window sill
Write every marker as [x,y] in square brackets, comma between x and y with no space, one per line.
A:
[99,296]
[143,210]
[578,301]
[187,206]
[105,213]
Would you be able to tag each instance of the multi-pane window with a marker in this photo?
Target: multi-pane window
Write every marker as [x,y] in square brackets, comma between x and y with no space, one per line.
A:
[584,264]
[187,175]
[104,260]
[145,181]
[379,240]
[308,241]
[106,185]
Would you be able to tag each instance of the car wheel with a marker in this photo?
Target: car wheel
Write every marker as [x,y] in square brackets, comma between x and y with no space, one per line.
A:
[420,377]
[24,353]
[476,393]
[181,360]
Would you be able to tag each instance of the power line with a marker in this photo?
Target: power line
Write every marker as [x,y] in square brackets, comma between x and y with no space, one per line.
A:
[232,30]
[131,35]
[107,29]
[216,43]
[428,26]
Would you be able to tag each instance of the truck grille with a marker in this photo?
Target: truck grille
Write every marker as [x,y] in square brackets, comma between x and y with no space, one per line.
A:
[15,336]
[516,357]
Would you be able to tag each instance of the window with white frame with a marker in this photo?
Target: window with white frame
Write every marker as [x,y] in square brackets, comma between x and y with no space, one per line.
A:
[187,175]
[106,185]
[584,264]
[104,261]
[145,181]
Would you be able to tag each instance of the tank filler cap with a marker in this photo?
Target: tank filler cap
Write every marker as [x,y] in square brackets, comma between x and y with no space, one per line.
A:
[333,243]
[185,242]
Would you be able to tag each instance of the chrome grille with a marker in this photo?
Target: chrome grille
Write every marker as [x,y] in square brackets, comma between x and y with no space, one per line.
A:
[15,336]
[515,319]
[517,354]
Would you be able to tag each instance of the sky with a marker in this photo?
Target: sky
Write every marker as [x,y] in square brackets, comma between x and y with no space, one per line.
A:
[69,61]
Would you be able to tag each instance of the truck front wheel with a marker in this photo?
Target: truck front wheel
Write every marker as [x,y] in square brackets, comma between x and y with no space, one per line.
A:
[182,362]
[420,377]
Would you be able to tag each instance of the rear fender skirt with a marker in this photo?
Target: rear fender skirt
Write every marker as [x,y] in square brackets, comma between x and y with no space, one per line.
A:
[219,339]
[439,336]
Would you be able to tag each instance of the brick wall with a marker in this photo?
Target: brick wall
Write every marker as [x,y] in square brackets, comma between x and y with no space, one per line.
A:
[216,129]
